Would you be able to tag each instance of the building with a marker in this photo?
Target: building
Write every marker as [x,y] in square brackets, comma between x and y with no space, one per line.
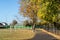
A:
[4,25]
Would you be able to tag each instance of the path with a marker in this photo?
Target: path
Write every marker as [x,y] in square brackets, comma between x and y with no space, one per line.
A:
[42,36]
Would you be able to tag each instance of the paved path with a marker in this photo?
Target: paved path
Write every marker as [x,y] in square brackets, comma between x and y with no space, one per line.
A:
[42,36]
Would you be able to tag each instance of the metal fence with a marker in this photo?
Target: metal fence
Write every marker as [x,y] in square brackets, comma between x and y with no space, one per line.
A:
[52,29]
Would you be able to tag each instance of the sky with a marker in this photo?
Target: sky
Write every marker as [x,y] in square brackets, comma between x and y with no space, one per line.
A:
[9,11]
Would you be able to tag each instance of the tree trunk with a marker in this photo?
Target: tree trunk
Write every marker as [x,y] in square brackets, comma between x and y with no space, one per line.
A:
[33,27]
[34,23]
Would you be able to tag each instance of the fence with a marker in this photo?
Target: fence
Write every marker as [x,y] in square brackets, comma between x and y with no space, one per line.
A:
[52,29]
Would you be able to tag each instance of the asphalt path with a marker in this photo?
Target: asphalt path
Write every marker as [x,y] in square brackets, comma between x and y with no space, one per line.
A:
[39,35]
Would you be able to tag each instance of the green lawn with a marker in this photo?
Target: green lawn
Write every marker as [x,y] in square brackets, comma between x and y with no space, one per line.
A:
[22,27]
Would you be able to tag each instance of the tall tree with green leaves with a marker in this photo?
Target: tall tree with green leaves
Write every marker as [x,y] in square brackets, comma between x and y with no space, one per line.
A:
[50,10]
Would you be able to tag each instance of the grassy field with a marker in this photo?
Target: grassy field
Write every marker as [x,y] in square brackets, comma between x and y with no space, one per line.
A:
[16,34]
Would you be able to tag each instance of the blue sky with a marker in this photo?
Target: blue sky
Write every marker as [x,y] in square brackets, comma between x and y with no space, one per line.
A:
[8,10]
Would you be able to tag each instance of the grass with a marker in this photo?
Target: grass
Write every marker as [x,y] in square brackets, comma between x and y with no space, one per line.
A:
[22,27]
[16,34]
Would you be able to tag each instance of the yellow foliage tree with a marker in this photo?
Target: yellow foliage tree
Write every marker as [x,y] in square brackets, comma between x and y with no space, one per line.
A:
[42,9]
[30,8]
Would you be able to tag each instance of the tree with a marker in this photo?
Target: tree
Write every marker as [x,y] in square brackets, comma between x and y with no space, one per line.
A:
[46,10]
[14,22]
[29,8]
[51,11]
[25,22]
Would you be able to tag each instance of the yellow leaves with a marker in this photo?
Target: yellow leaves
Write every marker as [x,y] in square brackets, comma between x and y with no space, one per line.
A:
[49,11]
[31,8]
[35,7]
[28,9]
[35,0]
[39,0]
[46,3]
[40,15]
[43,22]
[54,18]
[59,20]
[32,0]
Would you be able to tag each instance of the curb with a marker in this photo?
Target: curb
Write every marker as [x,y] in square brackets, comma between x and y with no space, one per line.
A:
[54,35]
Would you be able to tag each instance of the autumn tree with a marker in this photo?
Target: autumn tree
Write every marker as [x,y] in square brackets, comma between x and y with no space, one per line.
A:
[46,10]
[29,8]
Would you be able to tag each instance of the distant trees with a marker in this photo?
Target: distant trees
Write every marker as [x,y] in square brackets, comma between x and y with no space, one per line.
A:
[27,23]
[14,22]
